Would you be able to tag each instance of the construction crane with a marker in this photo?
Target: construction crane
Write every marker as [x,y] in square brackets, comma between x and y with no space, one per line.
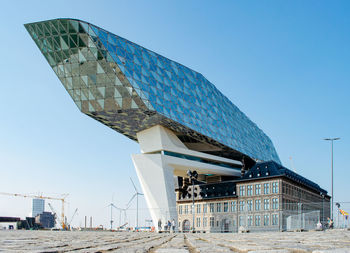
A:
[71,219]
[54,212]
[63,199]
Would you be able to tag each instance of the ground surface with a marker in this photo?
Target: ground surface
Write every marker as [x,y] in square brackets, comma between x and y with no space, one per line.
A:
[59,241]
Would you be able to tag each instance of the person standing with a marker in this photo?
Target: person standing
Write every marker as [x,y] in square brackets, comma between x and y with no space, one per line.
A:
[169,225]
[159,225]
[173,225]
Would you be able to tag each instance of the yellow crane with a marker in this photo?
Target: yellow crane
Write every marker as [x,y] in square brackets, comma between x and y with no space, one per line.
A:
[62,199]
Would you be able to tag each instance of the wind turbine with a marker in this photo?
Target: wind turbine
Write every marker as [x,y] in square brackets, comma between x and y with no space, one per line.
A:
[120,215]
[137,193]
[111,205]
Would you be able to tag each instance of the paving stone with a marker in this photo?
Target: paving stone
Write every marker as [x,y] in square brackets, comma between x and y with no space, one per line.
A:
[172,251]
[345,250]
[330,241]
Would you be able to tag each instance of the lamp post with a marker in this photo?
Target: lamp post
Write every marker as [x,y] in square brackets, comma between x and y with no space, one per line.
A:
[332,140]
[192,175]
[322,220]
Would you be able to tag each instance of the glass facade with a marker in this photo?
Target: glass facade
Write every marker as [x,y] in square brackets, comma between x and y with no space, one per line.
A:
[130,88]
[38,207]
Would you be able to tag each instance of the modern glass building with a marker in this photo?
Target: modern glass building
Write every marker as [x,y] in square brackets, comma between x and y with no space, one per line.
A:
[174,112]
[38,207]
[130,88]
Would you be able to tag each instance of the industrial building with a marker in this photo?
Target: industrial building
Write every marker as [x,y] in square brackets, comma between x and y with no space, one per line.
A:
[8,223]
[180,119]
[46,220]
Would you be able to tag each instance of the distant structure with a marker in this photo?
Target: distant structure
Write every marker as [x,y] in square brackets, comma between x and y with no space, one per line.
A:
[46,220]
[268,197]
[9,223]
[38,207]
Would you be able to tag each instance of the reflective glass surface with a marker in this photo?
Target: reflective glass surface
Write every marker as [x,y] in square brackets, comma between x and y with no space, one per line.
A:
[130,88]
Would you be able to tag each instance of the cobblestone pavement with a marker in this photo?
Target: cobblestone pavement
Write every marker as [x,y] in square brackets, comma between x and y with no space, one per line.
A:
[336,241]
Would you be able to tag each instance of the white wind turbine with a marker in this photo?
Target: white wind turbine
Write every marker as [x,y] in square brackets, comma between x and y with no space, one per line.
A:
[137,193]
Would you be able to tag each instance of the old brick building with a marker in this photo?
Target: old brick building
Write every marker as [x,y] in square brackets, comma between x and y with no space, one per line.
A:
[268,197]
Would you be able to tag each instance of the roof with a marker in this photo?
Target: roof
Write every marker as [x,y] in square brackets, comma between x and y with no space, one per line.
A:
[273,169]
[9,219]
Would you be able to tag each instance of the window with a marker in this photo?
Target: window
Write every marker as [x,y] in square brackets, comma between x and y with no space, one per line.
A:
[180,209]
[275,187]
[211,221]
[198,222]
[205,208]
[233,206]
[249,220]
[266,204]
[257,204]
[186,209]
[241,191]
[217,223]
[218,207]
[241,221]
[198,208]
[250,205]
[257,189]
[275,219]
[226,207]
[205,222]
[241,205]
[211,207]
[257,220]
[275,203]
[249,190]
[266,220]
[266,188]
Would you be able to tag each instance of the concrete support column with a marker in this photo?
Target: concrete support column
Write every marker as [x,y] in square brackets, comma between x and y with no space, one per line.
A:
[157,182]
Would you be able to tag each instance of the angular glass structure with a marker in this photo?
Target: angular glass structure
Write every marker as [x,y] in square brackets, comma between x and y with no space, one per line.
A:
[130,88]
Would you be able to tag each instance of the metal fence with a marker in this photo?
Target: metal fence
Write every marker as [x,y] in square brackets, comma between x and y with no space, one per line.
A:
[283,216]
[341,215]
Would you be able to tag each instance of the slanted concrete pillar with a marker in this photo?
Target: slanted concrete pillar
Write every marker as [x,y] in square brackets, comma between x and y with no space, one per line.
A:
[157,182]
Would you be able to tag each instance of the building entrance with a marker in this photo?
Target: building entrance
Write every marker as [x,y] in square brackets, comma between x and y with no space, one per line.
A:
[225,226]
[186,226]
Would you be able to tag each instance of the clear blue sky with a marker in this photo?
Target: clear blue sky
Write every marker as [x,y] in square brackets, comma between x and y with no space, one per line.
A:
[283,63]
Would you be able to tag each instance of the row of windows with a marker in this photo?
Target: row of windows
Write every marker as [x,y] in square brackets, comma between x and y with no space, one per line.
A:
[258,220]
[298,192]
[257,205]
[231,206]
[249,220]
[267,189]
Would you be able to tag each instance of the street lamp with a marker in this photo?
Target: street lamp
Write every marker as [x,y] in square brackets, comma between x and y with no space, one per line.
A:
[322,220]
[332,140]
[192,175]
